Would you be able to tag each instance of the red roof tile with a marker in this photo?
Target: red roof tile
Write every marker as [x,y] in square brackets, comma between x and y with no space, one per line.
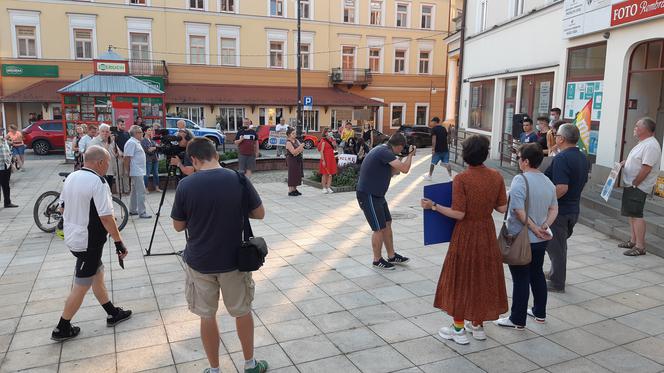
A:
[42,91]
[260,95]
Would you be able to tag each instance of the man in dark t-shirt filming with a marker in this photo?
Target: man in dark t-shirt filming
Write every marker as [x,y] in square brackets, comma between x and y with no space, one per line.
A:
[214,225]
[377,169]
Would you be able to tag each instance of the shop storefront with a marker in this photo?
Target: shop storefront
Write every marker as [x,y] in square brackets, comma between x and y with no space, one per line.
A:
[106,96]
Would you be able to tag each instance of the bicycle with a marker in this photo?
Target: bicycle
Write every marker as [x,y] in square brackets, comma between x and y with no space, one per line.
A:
[47,210]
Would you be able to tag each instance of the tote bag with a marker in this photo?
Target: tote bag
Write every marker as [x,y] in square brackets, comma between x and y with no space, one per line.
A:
[515,248]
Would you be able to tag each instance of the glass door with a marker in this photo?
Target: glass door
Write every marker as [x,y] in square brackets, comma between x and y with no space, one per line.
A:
[509,104]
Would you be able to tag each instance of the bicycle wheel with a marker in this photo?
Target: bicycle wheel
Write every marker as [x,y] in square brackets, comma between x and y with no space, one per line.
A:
[121,213]
[46,212]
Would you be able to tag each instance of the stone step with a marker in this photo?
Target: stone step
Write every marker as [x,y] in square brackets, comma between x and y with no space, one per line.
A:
[654,220]
[618,229]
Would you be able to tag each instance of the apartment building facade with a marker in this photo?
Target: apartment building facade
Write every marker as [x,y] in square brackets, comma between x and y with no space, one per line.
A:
[370,61]
[527,56]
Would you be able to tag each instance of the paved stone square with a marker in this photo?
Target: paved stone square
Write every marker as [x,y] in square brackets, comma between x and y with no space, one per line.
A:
[319,306]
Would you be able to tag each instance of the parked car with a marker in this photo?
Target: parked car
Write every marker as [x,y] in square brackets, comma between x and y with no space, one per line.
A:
[420,136]
[44,135]
[310,141]
[216,136]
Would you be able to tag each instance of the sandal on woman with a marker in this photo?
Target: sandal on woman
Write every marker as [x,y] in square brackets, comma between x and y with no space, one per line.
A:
[626,245]
[635,251]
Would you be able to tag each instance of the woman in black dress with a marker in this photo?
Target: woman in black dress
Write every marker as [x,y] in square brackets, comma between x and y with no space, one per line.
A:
[294,161]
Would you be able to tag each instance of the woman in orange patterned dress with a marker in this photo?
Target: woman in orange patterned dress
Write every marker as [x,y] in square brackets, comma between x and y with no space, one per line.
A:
[472,284]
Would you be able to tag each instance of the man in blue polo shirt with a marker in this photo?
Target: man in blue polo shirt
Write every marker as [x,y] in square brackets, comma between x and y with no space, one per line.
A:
[569,173]
[377,169]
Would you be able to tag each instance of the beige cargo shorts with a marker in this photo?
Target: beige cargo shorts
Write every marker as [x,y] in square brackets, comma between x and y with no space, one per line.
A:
[202,292]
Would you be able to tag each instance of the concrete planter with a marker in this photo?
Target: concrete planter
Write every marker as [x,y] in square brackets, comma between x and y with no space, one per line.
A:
[271,164]
[318,185]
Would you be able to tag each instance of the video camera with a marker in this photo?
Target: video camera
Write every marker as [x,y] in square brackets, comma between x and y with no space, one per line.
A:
[170,144]
[407,149]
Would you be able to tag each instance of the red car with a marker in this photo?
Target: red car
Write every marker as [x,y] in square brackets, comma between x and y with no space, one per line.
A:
[310,141]
[44,135]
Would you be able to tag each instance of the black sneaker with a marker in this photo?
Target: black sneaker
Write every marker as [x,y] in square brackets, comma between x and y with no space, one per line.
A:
[398,259]
[63,335]
[383,264]
[121,316]
[293,194]
[298,192]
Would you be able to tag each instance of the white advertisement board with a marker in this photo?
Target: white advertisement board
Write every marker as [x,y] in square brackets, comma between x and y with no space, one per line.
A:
[582,17]
[577,95]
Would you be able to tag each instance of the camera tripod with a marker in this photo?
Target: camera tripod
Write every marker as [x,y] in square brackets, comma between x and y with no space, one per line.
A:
[170,173]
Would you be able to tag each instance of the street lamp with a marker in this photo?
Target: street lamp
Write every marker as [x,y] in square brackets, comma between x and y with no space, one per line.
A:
[298,128]
[432,90]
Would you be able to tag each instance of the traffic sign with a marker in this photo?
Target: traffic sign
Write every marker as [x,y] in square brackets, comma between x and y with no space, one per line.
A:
[308,101]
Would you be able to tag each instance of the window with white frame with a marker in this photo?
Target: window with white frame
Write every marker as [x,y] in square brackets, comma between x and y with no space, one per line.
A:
[305,55]
[26,41]
[227,6]
[481,15]
[197,49]
[197,43]
[516,8]
[376,12]
[139,46]
[277,8]
[83,44]
[277,54]
[310,120]
[349,11]
[193,113]
[424,62]
[197,4]
[402,15]
[305,9]
[398,116]
[228,51]
[400,61]
[426,21]
[421,114]
[347,57]
[230,118]
[375,59]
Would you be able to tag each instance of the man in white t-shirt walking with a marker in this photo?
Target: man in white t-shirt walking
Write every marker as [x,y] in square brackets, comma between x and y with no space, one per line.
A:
[135,165]
[639,176]
[88,219]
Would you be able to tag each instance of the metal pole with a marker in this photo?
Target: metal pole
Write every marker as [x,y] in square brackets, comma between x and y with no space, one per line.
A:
[4,121]
[299,70]
[430,91]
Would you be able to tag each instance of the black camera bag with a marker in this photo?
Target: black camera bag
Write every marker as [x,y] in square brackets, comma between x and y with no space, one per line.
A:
[253,250]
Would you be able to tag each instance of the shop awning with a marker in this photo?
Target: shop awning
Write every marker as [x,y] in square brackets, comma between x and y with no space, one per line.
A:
[210,94]
[110,84]
[42,91]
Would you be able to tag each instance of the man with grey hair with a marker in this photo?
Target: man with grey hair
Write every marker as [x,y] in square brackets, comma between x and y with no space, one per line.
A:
[135,167]
[88,219]
[640,172]
[569,173]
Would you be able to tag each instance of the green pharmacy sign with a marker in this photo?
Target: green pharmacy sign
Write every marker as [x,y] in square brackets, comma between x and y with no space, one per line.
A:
[45,71]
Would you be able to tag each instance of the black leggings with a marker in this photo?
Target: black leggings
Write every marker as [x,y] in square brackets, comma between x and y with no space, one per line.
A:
[4,183]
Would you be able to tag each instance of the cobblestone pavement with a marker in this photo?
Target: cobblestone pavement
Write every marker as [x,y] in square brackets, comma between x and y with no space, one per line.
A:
[319,306]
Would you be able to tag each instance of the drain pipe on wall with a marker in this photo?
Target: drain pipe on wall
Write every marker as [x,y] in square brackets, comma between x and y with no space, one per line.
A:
[460,72]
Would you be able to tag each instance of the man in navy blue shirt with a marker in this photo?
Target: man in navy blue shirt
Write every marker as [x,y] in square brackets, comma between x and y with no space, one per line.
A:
[214,224]
[528,135]
[569,173]
[377,169]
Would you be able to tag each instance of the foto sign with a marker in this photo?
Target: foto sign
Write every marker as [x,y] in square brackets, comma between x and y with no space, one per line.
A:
[634,10]
[111,67]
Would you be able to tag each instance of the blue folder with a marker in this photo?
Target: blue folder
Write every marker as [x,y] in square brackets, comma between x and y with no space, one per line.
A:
[438,228]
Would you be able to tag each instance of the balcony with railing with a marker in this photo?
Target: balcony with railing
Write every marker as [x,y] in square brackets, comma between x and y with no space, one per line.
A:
[156,68]
[351,77]
[458,20]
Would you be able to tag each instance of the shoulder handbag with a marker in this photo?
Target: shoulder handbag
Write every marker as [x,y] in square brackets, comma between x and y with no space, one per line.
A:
[515,248]
[253,250]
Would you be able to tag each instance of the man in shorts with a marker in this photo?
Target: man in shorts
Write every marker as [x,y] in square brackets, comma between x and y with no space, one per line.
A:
[377,169]
[440,152]
[88,219]
[214,226]
[246,140]
[639,177]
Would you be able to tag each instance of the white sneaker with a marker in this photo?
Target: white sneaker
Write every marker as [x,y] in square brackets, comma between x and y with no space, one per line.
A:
[540,320]
[505,322]
[325,191]
[427,177]
[329,191]
[450,333]
[476,331]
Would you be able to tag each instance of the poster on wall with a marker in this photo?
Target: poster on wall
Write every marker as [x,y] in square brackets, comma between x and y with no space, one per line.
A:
[544,97]
[577,95]
[592,147]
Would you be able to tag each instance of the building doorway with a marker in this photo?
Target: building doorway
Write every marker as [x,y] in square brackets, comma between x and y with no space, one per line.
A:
[536,94]
[645,91]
